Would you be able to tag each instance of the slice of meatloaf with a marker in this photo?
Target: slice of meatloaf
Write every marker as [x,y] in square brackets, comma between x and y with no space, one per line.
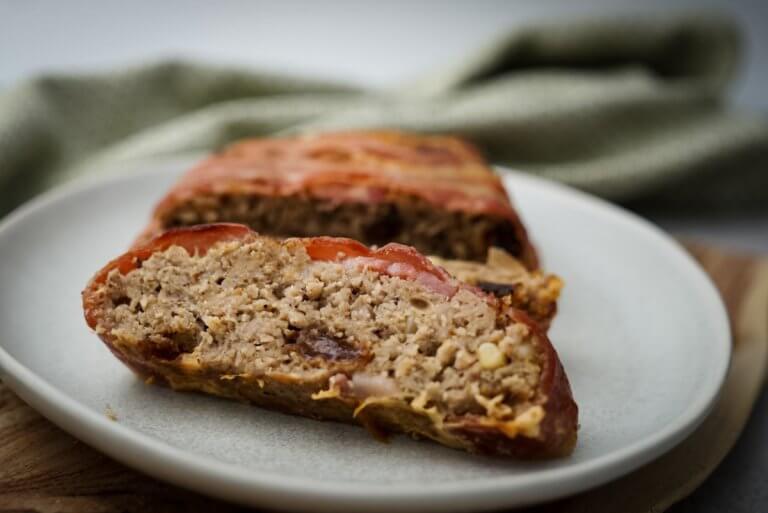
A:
[435,193]
[502,275]
[330,329]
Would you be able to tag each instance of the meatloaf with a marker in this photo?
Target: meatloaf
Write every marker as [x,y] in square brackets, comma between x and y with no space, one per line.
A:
[435,193]
[534,292]
[330,329]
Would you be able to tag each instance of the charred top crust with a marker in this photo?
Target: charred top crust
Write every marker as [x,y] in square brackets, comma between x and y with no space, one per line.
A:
[360,167]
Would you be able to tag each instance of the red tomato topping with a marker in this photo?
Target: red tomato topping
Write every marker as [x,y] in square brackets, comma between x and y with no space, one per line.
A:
[393,259]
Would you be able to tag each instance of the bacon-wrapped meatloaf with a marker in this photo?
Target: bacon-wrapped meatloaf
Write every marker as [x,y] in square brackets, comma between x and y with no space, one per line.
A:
[328,328]
[435,193]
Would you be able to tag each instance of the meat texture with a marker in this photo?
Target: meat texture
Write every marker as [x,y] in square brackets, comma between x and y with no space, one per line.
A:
[331,329]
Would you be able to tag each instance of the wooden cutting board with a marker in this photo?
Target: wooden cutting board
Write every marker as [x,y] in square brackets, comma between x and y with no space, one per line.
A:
[43,469]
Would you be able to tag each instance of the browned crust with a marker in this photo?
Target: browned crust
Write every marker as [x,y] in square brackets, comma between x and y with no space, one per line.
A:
[555,436]
[357,167]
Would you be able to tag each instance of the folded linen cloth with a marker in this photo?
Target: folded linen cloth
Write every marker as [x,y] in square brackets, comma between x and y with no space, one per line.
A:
[628,108]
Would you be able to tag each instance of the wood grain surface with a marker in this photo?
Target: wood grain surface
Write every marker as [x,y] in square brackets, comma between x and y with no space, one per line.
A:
[43,469]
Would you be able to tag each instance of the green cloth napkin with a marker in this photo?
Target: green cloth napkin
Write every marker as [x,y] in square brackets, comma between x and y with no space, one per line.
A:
[627,108]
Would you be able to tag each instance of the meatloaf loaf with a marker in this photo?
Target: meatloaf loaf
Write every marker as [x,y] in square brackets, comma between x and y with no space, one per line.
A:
[435,193]
[331,329]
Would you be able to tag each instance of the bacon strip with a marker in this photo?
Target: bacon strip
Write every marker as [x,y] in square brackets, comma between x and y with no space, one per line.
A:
[354,167]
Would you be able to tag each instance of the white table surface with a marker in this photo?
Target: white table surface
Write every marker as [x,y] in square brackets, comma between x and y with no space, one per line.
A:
[378,44]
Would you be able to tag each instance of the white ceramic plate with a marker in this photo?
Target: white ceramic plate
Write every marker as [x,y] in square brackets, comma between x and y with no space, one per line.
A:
[641,332]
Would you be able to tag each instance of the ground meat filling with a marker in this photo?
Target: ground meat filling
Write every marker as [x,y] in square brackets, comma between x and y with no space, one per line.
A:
[265,309]
[410,221]
[533,292]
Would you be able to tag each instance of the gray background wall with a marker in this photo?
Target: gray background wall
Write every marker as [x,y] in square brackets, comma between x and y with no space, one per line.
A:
[376,43]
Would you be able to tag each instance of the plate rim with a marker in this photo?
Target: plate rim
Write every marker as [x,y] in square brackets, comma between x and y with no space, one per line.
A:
[231,482]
